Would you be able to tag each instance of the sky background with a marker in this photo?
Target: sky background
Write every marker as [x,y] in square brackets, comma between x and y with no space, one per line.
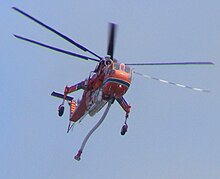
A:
[173,132]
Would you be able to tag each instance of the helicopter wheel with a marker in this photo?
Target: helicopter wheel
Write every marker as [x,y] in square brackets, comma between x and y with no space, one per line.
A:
[60,110]
[124,129]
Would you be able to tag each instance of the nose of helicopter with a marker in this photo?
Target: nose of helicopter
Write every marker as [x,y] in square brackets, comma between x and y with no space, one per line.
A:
[116,86]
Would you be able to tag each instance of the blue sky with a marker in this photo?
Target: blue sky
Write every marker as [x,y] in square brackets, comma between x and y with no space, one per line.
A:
[173,132]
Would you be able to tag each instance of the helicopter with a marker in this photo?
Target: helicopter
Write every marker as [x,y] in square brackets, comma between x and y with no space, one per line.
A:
[107,83]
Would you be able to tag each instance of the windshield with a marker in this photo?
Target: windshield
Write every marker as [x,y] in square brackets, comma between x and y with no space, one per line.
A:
[122,67]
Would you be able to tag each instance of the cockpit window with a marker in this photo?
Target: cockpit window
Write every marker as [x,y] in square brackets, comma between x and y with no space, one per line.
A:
[122,67]
[116,66]
[127,69]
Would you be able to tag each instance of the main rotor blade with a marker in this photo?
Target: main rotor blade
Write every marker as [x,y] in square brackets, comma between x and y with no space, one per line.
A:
[56,32]
[172,83]
[170,63]
[111,40]
[56,49]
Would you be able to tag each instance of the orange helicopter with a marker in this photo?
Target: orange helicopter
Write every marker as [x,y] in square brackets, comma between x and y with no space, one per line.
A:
[106,84]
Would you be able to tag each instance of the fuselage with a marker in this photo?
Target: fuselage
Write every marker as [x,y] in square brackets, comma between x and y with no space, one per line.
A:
[110,81]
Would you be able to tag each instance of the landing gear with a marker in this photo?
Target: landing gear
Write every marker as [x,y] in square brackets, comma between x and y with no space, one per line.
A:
[61,107]
[61,110]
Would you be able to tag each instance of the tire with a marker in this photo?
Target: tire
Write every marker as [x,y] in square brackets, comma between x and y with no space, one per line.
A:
[61,111]
[123,130]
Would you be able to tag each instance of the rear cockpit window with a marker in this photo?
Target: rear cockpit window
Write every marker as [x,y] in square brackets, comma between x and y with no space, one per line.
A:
[116,66]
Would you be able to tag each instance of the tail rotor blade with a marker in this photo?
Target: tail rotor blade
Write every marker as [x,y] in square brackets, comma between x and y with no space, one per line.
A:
[56,32]
[111,40]
[171,83]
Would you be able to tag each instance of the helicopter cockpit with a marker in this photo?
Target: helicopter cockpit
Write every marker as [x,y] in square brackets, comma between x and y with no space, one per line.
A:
[122,67]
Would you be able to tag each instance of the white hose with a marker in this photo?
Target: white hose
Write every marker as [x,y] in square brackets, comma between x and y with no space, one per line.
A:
[77,157]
